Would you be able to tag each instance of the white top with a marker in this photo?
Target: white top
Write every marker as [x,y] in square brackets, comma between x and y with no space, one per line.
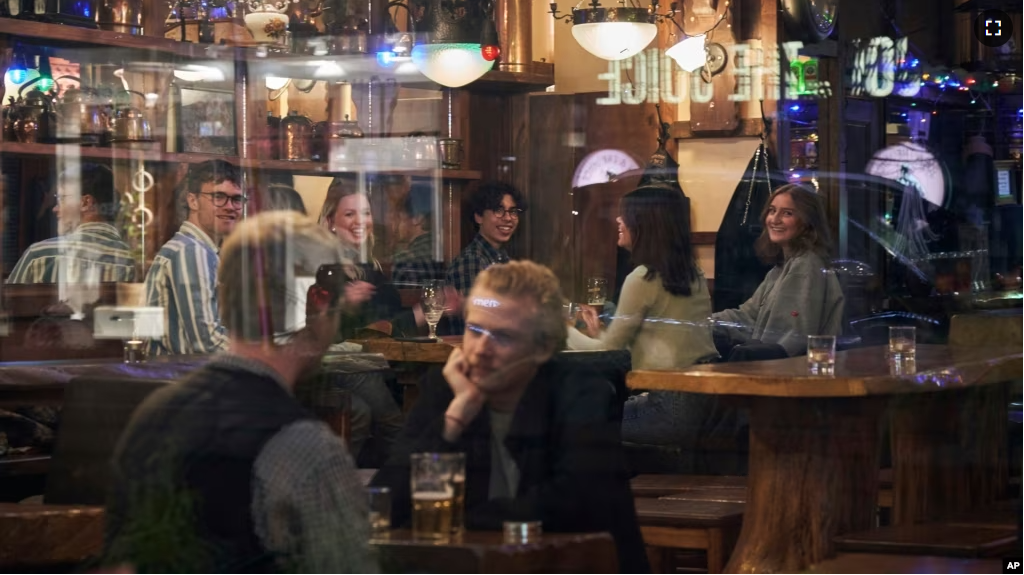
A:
[661,330]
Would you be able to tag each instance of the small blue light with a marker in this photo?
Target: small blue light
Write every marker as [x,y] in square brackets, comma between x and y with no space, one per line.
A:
[904,114]
[795,107]
[1020,112]
[795,176]
[17,75]
[386,59]
[914,63]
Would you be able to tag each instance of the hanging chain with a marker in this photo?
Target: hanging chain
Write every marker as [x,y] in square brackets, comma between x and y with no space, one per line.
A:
[753,178]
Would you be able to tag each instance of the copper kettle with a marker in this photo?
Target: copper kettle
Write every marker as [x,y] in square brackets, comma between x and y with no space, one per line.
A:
[127,123]
[81,116]
[294,141]
[33,116]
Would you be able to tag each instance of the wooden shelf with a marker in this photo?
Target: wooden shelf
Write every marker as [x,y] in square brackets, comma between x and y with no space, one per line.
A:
[65,34]
[151,155]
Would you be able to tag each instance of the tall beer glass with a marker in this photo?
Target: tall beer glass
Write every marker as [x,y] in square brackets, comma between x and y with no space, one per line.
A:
[434,493]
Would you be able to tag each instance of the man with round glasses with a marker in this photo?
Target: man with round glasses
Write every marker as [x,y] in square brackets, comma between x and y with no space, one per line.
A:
[183,277]
[497,209]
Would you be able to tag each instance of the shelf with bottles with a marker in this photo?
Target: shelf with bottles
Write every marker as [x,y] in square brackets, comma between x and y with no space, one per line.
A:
[22,149]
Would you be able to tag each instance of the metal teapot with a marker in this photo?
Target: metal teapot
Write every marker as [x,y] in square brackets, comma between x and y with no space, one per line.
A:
[81,116]
[129,124]
[34,121]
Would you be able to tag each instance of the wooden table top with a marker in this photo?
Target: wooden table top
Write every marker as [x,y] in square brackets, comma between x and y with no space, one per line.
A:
[486,552]
[413,351]
[858,372]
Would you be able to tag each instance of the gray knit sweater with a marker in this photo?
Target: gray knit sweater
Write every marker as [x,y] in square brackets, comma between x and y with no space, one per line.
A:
[798,298]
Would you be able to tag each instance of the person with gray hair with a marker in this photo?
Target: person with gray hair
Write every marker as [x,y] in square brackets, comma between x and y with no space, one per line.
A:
[225,471]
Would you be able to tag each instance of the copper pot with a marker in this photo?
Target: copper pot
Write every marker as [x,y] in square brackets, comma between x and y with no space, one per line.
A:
[124,16]
[128,123]
[296,131]
[81,116]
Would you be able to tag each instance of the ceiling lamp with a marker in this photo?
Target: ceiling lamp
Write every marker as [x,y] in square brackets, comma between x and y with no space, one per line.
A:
[613,33]
[451,65]
[691,54]
[460,44]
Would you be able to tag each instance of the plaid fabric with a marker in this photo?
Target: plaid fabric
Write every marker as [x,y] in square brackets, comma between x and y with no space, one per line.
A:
[94,252]
[415,264]
[309,506]
[475,258]
[183,281]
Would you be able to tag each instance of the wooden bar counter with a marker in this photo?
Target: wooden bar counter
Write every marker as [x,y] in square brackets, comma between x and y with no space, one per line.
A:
[815,442]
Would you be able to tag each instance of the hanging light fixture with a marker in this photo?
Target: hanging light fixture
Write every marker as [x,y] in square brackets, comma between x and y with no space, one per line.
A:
[691,54]
[18,71]
[613,33]
[457,46]
[45,73]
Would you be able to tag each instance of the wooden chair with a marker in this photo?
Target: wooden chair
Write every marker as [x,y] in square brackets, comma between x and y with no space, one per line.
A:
[711,526]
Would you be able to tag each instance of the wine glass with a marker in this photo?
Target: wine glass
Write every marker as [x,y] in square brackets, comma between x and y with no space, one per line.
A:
[432,301]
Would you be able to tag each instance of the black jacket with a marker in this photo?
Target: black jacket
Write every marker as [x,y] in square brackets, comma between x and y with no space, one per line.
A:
[566,443]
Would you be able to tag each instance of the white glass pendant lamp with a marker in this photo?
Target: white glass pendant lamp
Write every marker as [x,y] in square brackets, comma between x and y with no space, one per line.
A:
[612,33]
[691,54]
[451,64]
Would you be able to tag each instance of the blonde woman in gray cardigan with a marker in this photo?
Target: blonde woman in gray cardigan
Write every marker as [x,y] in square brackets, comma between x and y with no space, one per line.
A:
[800,296]
[662,317]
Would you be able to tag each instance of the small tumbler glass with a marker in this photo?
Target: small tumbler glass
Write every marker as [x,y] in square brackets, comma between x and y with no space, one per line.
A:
[902,344]
[380,510]
[136,351]
[521,532]
[821,354]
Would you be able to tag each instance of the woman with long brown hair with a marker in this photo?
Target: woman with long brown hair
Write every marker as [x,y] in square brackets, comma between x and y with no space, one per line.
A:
[664,305]
[662,318]
[800,296]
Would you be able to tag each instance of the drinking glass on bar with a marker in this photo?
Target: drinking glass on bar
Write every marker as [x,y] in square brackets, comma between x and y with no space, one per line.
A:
[821,354]
[435,496]
[597,293]
[380,510]
[902,344]
[432,302]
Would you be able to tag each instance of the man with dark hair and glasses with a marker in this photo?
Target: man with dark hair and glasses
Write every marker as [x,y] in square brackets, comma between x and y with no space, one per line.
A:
[88,248]
[497,208]
[183,277]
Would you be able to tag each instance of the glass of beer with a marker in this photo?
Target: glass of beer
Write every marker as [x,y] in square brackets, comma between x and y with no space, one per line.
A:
[436,496]
[597,293]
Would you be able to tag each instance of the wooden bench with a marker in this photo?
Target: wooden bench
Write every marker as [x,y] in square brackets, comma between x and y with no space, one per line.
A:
[711,526]
[885,563]
[942,539]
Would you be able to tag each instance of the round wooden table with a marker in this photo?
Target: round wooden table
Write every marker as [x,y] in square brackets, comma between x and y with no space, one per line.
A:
[815,442]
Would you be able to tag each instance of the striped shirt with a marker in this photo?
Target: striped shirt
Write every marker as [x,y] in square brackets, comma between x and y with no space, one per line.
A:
[183,281]
[94,252]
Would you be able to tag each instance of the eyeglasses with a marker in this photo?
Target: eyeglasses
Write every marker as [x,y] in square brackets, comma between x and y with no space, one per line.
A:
[499,339]
[513,213]
[220,199]
[61,197]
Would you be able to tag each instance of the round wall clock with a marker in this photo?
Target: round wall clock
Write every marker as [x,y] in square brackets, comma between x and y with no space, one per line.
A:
[602,166]
[811,20]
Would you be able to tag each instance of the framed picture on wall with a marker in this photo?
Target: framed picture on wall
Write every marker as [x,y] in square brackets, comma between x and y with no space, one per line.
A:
[206,121]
